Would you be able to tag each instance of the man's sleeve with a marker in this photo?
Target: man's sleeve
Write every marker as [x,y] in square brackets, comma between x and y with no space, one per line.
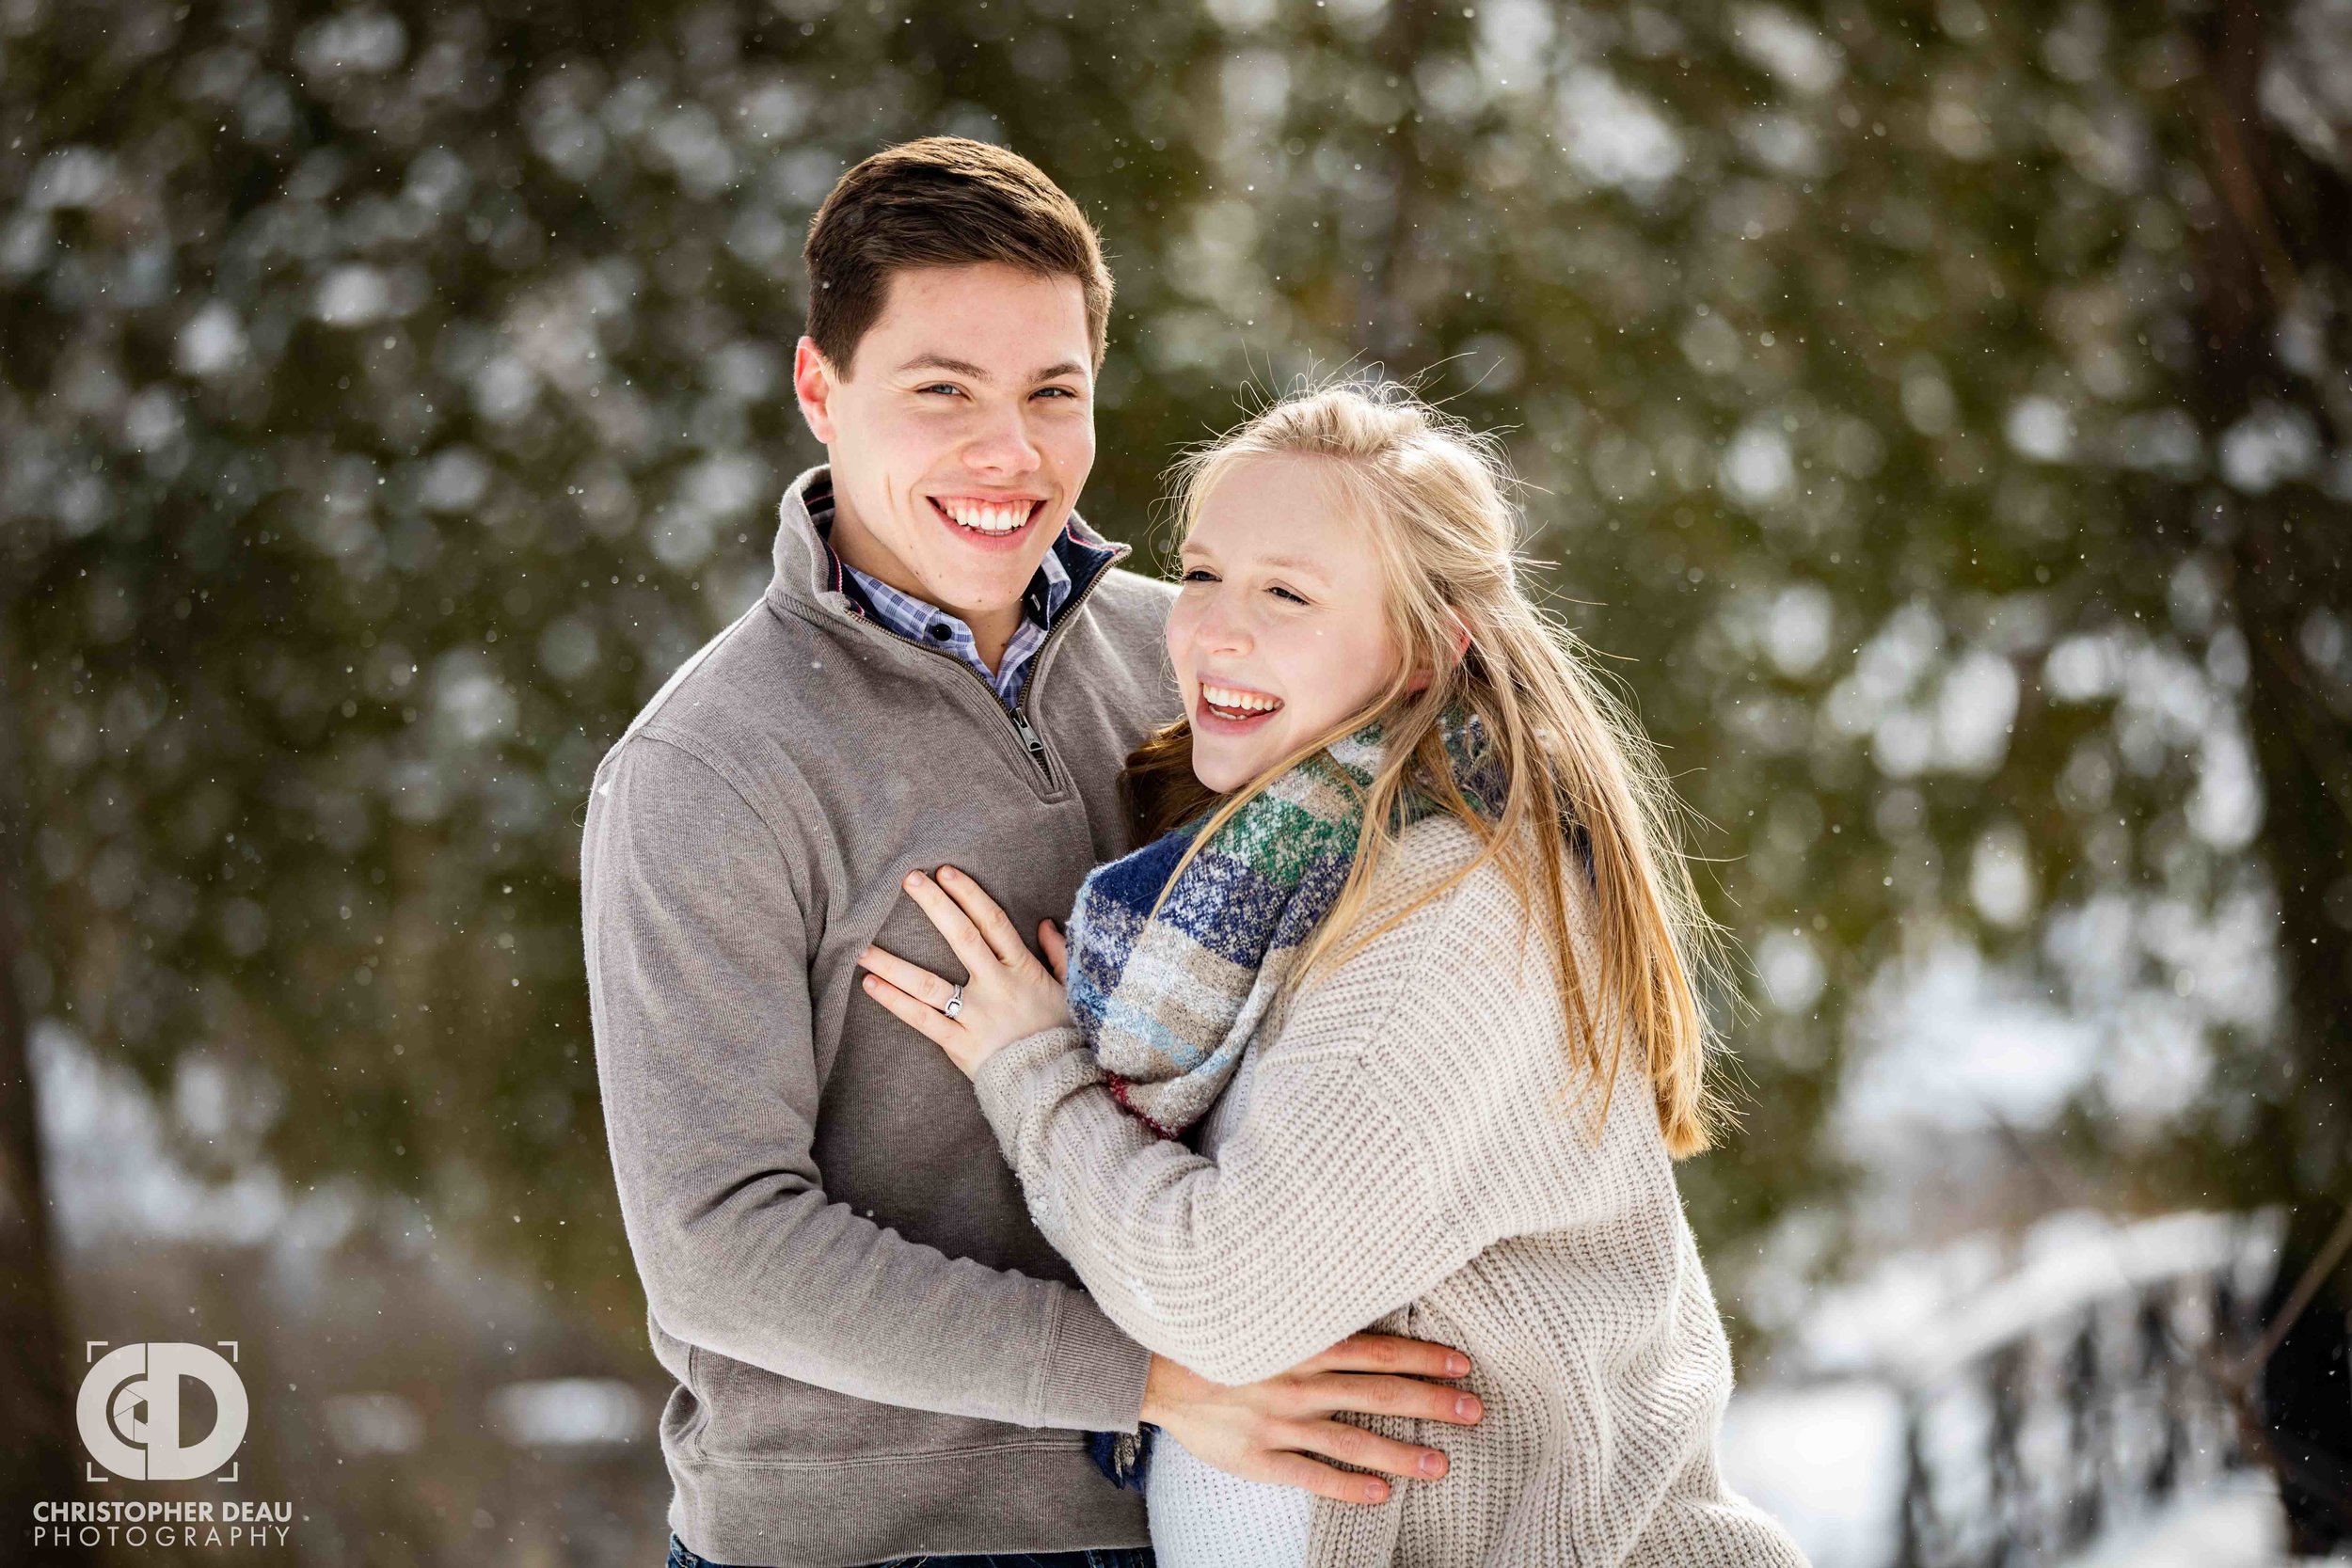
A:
[698,983]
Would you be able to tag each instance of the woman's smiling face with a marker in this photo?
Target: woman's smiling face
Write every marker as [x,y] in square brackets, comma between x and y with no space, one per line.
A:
[1281,630]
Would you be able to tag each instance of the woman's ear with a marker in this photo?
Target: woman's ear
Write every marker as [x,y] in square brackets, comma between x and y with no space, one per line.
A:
[1421,678]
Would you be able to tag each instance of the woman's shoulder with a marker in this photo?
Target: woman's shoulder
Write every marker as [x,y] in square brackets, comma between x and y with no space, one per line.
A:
[1471,998]
[1455,931]
[1436,902]
[1443,854]
[1426,854]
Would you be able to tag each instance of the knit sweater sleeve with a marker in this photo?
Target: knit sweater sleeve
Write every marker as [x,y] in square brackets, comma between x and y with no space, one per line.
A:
[1326,1208]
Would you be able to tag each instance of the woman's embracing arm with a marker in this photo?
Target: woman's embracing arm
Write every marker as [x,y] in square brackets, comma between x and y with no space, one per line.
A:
[1326,1209]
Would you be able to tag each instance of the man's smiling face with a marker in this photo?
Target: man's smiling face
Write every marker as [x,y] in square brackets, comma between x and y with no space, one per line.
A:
[961,434]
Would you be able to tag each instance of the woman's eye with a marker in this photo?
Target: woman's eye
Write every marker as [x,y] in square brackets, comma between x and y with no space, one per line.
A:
[1199,573]
[1286,593]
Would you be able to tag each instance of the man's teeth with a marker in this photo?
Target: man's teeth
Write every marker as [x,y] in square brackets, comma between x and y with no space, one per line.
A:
[988,519]
[1225,698]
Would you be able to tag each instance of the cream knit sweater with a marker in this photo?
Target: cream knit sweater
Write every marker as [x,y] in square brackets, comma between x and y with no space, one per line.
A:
[1419,1155]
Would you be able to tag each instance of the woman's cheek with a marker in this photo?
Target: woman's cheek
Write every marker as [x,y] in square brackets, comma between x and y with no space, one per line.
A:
[1179,632]
[1357,670]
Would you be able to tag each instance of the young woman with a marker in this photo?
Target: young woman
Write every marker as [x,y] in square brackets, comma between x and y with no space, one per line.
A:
[1394,1025]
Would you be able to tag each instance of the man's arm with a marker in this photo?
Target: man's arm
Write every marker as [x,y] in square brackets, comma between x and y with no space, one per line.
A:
[697,966]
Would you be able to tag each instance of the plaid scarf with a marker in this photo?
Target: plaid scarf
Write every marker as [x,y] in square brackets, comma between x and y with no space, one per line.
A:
[1169,1001]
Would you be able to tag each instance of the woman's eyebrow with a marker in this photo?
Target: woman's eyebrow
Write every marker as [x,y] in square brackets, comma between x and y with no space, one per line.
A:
[1196,554]
[1296,564]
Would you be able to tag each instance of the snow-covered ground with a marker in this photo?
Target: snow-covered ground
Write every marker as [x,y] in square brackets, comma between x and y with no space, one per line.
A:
[1826,1461]
[2234,1523]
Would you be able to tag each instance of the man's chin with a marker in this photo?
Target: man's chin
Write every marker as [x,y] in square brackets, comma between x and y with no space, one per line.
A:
[972,587]
[969,571]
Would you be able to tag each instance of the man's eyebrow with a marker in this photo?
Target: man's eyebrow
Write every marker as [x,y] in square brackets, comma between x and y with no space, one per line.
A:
[964,367]
[941,362]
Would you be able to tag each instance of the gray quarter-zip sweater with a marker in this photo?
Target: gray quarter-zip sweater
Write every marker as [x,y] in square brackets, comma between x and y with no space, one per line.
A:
[877,1354]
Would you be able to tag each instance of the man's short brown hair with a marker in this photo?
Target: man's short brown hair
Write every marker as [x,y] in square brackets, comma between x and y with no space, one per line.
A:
[942,202]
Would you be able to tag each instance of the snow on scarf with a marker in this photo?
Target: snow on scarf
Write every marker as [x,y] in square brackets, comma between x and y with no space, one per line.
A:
[1169,1001]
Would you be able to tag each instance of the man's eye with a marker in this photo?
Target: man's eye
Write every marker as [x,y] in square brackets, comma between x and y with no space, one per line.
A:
[942,386]
[1069,394]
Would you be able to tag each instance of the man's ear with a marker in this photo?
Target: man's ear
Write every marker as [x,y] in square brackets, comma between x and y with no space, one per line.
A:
[813,383]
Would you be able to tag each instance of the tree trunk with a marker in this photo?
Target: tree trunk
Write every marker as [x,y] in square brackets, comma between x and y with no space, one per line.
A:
[2280,235]
[37,1459]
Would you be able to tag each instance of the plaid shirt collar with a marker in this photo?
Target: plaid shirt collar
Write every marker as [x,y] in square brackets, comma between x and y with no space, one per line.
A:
[1075,557]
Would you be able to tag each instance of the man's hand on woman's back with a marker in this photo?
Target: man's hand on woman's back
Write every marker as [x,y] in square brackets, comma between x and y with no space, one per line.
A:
[1271,1431]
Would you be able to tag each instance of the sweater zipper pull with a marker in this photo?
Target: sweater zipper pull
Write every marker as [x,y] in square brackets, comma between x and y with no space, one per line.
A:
[1029,738]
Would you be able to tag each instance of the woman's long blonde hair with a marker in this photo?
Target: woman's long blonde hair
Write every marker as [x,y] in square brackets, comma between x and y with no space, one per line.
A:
[1432,498]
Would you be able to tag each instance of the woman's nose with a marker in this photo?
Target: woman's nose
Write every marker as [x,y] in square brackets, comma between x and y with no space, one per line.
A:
[1221,630]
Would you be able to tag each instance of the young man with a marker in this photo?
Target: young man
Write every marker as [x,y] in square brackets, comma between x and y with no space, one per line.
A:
[877,1354]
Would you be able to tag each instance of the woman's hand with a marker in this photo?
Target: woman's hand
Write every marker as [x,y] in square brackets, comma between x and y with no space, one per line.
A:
[1009,996]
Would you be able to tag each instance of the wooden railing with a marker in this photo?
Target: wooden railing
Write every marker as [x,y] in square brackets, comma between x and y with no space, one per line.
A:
[2069,1402]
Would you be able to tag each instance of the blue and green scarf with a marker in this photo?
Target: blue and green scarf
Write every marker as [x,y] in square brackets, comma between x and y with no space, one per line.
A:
[1168,1001]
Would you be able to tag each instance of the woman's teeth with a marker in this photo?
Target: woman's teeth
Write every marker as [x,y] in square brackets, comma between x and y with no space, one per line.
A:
[1001,519]
[1230,702]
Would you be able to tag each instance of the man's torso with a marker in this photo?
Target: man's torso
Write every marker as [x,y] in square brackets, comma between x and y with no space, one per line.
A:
[871,757]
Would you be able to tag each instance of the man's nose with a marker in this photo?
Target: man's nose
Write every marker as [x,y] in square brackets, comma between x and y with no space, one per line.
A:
[1004,448]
